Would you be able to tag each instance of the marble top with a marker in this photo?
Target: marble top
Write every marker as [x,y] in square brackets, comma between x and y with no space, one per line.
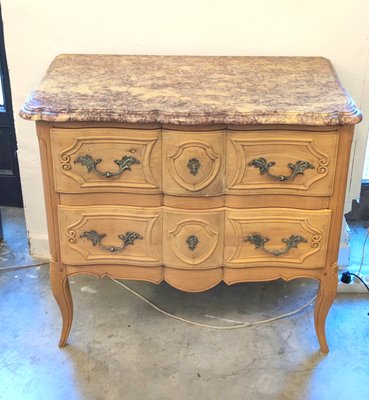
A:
[191,90]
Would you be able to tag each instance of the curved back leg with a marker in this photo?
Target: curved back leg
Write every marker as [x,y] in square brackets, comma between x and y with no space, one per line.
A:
[61,290]
[324,301]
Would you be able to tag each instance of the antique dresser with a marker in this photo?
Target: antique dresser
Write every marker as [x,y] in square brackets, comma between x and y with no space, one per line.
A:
[193,170]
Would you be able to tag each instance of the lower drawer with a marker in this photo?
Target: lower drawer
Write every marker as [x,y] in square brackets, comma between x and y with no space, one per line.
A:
[193,239]
[189,239]
[276,237]
[110,235]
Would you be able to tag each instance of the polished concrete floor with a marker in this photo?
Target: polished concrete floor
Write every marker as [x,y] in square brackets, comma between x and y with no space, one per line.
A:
[120,348]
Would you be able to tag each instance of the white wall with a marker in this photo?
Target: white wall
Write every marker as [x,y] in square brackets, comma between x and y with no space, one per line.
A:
[37,30]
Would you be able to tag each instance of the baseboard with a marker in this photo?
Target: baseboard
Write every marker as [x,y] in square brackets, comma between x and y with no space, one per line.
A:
[353,287]
[39,245]
[345,248]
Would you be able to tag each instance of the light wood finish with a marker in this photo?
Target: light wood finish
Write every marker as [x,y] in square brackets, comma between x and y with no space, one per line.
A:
[58,272]
[329,278]
[272,200]
[283,148]
[164,203]
[206,149]
[206,228]
[326,295]
[195,203]
[102,124]
[282,127]
[118,199]
[126,272]
[112,222]
[196,280]
[61,291]
[221,213]
[276,224]
[107,145]
[193,128]
[259,274]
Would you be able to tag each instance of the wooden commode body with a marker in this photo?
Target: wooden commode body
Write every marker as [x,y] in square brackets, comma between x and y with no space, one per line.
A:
[193,170]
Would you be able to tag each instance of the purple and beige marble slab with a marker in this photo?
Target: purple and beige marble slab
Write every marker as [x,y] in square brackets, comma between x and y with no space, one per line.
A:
[191,90]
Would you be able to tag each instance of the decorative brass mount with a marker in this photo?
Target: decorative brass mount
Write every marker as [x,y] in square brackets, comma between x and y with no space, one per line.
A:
[124,164]
[259,242]
[297,169]
[96,239]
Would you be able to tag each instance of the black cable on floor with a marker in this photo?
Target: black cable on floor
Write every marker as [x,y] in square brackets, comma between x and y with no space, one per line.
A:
[346,278]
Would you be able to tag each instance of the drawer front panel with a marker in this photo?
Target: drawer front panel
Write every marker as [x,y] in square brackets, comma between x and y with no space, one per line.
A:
[110,235]
[193,162]
[106,159]
[193,239]
[281,162]
[276,237]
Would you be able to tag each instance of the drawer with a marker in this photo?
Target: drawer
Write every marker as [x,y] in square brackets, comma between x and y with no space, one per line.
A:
[281,162]
[106,159]
[193,239]
[276,237]
[110,235]
[193,162]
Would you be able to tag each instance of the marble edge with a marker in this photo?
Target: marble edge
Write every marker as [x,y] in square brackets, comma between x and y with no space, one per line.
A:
[351,116]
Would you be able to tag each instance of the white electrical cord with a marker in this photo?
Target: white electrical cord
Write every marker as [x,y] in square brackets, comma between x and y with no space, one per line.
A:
[240,325]
[3,246]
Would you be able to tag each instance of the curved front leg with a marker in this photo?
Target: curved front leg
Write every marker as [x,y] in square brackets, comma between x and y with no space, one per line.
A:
[61,291]
[326,295]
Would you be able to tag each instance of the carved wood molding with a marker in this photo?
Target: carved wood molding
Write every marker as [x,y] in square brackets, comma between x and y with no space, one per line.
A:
[180,177]
[90,253]
[77,173]
[204,249]
[301,182]
[268,227]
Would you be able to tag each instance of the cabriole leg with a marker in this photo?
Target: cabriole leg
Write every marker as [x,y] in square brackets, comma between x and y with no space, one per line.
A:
[326,295]
[61,290]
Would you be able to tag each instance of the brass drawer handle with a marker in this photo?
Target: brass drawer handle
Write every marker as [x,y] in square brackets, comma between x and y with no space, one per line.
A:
[259,242]
[297,169]
[193,165]
[192,242]
[123,164]
[96,239]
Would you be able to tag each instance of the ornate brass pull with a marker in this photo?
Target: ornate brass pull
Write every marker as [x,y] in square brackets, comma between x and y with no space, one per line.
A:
[297,169]
[193,165]
[192,242]
[124,163]
[259,242]
[96,239]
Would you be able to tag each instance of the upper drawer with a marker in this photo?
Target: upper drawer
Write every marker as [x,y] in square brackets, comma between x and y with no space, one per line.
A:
[106,159]
[193,162]
[281,162]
